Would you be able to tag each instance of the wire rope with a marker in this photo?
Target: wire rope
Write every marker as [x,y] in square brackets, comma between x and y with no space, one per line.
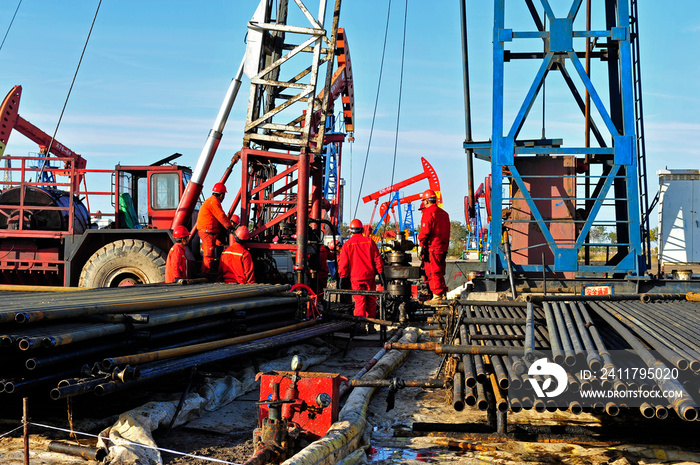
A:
[87,39]
[374,113]
[11,21]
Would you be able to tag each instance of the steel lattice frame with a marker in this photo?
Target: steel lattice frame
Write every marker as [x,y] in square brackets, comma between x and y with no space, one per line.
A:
[282,163]
[618,183]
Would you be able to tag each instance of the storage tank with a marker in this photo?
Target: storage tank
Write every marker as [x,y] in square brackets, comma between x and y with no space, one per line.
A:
[679,222]
[42,220]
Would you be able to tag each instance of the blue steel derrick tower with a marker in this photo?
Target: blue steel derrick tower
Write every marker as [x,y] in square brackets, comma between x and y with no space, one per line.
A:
[567,209]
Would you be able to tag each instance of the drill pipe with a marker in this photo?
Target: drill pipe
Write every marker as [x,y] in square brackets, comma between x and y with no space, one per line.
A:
[597,339]
[515,365]
[451,349]
[154,370]
[496,362]
[468,365]
[684,405]
[82,332]
[458,391]
[683,312]
[554,340]
[496,337]
[479,368]
[592,357]
[654,322]
[86,452]
[487,303]
[569,356]
[573,333]
[530,333]
[109,364]
[400,383]
[481,401]
[22,384]
[536,298]
[501,403]
[650,336]
[44,362]
[140,303]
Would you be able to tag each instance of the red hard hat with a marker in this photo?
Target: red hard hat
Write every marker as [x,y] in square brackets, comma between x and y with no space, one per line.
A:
[219,188]
[355,225]
[242,233]
[235,219]
[180,231]
[429,195]
[331,245]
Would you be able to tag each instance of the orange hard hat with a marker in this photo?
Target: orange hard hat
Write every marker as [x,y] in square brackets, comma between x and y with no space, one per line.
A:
[242,233]
[235,219]
[355,226]
[180,232]
[219,188]
[429,195]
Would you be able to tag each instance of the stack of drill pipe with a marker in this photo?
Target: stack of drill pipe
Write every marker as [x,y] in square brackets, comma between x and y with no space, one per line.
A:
[674,337]
[39,347]
[684,405]
[152,371]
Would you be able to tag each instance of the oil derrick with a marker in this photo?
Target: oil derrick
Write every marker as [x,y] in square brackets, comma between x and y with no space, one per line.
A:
[282,157]
[553,193]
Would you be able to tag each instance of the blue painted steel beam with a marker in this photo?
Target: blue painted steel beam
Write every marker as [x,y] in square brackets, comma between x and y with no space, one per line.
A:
[503,149]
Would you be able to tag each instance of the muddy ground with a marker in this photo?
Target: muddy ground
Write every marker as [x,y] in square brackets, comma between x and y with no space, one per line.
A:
[226,434]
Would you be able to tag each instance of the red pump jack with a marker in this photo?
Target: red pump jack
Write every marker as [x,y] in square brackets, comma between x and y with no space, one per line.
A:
[307,410]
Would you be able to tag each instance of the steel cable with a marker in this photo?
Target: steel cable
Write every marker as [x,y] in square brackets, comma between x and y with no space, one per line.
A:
[8,29]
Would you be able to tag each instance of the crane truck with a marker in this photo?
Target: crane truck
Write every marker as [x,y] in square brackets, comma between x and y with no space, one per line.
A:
[48,234]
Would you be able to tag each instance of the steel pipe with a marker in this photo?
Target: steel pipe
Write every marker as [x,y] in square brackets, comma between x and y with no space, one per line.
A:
[450,349]
[109,364]
[684,405]
[149,301]
[155,370]
[86,452]
[554,340]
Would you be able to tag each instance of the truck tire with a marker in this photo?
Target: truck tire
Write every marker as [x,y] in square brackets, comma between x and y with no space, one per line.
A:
[124,263]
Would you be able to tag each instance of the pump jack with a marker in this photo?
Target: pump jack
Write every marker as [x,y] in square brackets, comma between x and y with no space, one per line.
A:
[428,173]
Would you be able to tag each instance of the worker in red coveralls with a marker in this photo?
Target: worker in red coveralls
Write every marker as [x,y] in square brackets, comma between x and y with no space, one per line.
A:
[180,259]
[331,261]
[213,225]
[360,260]
[236,262]
[434,239]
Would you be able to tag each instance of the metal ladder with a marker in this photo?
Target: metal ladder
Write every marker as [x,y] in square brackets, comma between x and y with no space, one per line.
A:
[639,122]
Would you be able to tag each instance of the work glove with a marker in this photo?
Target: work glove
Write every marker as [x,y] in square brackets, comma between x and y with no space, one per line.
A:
[382,279]
[424,256]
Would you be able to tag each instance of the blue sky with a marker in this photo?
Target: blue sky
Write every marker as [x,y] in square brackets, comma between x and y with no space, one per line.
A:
[155,72]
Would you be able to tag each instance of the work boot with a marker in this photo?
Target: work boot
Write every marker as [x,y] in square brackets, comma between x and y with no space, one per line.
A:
[436,300]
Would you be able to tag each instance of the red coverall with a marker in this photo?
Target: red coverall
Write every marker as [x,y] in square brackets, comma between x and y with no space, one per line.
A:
[435,237]
[236,265]
[212,224]
[179,263]
[359,258]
